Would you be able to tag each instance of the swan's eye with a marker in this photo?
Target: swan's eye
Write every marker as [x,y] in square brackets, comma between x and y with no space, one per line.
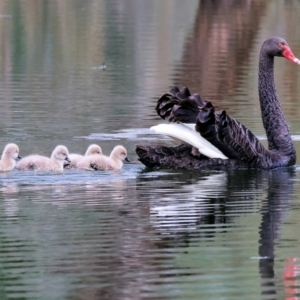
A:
[281,45]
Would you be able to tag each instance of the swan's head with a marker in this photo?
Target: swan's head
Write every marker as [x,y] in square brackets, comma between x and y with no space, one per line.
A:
[61,153]
[120,152]
[11,151]
[93,149]
[277,46]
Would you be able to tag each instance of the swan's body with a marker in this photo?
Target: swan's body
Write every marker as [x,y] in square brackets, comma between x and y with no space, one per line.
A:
[45,164]
[102,162]
[75,158]
[8,158]
[233,139]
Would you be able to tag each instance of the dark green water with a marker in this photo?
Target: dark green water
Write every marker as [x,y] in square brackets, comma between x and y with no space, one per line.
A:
[133,234]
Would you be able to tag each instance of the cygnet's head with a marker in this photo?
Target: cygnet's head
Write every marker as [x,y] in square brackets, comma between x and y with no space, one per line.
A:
[93,149]
[120,152]
[61,153]
[12,151]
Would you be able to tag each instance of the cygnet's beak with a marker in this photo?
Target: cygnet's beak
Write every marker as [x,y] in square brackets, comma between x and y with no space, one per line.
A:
[68,159]
[19,157]
[127,159]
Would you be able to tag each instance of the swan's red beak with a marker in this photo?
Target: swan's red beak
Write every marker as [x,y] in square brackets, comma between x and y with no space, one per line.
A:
[288,54]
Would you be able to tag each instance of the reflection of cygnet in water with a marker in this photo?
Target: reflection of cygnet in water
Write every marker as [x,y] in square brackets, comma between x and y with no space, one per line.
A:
[75,158]
[8,158]
[45,164]
[102,162]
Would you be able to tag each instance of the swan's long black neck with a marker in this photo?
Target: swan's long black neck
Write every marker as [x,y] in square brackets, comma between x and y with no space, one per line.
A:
[276,127]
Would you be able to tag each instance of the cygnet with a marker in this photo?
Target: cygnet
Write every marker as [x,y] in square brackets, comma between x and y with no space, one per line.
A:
[45,164]
[102,162]
[8,158]
[75,158]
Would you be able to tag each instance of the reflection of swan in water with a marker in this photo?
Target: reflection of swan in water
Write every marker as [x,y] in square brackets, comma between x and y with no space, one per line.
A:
[182,208]
[114,190]
[242,194]
[212,199]
[274,209]
[10,202]
[90,193]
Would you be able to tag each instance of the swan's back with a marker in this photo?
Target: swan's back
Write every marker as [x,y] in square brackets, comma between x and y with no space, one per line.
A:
[226,134]
[180,106]
[95,162]
[104,163]
[45,164]
[35,162]
[93,149]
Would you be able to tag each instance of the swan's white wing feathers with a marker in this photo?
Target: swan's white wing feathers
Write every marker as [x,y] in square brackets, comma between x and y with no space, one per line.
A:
[187,134]
[189,125]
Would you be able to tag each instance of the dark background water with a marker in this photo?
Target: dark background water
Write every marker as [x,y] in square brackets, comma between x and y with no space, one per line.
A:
[134,234]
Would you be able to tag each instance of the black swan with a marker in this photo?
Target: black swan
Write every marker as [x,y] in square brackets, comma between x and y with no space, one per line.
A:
[197,119]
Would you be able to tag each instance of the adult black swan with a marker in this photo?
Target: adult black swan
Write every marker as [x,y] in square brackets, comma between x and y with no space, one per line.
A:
[231,144]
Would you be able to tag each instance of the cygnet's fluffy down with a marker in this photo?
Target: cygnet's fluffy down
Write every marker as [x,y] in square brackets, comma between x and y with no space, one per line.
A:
[45,164]
[75,158]
[8,158]
[102,162]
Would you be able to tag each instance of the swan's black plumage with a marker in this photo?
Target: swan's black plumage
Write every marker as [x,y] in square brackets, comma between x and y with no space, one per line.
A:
[181,157]
[232,138]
